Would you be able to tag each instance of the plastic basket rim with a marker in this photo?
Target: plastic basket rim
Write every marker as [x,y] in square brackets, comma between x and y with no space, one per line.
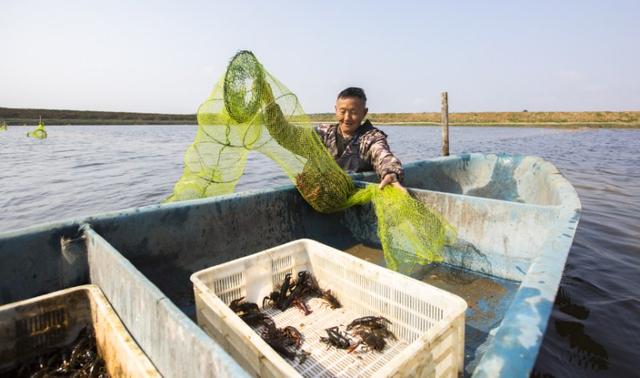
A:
[195,276]
[458,308]
[92,289]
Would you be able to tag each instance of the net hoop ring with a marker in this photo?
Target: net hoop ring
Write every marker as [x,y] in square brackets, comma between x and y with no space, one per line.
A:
[243,84]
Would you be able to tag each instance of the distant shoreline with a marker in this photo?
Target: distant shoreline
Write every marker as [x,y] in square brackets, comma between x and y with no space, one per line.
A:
[605,119]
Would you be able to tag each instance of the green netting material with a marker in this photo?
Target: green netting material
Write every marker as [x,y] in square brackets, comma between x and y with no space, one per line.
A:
[39,132]
[250,110]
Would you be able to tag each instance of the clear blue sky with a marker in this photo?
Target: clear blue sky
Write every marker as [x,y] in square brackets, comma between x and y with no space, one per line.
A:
[161,56]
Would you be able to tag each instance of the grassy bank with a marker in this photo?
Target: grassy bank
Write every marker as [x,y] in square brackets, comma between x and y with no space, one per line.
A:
[15,116]
[552,119]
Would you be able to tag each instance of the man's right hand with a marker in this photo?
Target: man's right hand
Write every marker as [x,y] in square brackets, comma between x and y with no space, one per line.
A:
[392,178]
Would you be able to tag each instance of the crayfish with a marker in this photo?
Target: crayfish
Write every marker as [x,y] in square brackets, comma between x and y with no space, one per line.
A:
[282,339]
[293,292]
[372,332]
[336,338]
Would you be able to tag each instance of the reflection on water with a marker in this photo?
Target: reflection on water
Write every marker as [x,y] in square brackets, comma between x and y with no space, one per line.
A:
[585,352]
[594,327]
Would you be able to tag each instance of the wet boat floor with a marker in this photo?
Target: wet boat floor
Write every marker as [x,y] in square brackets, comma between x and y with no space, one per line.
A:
[487,297]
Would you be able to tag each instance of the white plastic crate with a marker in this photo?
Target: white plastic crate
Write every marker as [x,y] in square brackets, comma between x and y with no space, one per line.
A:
[428,321]
[42,324]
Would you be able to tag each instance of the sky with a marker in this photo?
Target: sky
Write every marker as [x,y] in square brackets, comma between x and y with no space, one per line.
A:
[166,56]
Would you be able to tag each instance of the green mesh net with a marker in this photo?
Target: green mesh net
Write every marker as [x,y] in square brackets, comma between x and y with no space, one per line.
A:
[250,110]
[39,132]
[3,126]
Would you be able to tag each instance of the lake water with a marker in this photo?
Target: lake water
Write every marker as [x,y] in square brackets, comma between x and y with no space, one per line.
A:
[594,329]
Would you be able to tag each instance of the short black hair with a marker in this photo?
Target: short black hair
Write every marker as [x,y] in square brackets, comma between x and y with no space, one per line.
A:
[353,92]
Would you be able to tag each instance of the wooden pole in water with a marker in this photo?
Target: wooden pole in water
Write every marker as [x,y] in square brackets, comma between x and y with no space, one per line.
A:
[444,109]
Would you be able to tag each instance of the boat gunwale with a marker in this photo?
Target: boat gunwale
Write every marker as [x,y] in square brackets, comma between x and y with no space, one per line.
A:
[561,185]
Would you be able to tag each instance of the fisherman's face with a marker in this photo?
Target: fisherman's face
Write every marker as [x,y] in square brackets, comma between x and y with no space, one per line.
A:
[350,111]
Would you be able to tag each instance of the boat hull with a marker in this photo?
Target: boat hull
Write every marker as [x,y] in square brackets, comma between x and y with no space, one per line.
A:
[516,218]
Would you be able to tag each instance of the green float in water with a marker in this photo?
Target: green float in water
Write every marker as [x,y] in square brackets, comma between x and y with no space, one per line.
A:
[39,132]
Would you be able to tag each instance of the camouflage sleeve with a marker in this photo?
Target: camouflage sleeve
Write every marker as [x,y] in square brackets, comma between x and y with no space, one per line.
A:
[327,137]
[381,157]
[322,130]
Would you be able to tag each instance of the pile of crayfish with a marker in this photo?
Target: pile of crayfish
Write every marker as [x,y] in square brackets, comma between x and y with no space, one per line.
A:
[80,359]
[292,292]
[280,339]
[371,333]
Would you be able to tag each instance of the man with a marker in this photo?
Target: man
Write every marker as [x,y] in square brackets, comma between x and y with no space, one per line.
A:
[354,145]
[358,146]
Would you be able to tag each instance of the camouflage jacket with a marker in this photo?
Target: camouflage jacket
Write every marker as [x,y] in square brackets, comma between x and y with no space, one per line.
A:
[367,150]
